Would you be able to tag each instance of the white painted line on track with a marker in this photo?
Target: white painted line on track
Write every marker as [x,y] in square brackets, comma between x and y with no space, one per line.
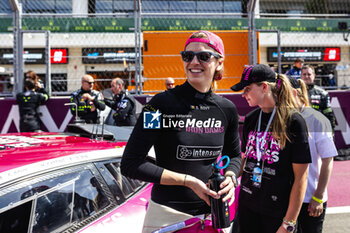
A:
[338,210]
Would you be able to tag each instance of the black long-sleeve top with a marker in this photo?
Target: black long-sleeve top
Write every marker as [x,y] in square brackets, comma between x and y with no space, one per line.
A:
[28,103]
[320,101]
[84,106]
[125,109]
[194,129]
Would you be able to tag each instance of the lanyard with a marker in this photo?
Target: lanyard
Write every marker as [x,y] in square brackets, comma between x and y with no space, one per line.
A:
[258,148]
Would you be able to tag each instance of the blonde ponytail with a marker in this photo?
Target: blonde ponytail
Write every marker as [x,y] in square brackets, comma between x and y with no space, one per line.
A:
[285,107]
[302,93]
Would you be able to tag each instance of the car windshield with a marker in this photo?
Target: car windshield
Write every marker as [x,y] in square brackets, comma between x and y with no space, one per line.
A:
[57,201]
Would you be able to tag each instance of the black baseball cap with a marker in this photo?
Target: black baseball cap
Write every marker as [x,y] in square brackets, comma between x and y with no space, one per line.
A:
[255,74]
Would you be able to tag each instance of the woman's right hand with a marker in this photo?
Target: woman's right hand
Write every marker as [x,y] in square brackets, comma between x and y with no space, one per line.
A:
[201,189]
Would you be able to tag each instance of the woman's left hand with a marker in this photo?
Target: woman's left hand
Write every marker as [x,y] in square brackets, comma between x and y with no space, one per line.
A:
[228,188]
[315,209]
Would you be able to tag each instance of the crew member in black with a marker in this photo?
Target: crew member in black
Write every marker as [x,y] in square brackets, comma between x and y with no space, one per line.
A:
[88,102]
[189,127]
[319,98]
[123,104]
[28,103]
[276,154]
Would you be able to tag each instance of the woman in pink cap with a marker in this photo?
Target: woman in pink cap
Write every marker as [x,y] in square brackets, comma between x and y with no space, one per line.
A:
[189,127]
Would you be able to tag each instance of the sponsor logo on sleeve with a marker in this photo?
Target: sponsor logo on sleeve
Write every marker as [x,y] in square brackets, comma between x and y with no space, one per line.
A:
[185,152]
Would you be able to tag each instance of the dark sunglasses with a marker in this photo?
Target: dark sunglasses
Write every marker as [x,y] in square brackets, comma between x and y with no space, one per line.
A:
[204,56]
[89,82]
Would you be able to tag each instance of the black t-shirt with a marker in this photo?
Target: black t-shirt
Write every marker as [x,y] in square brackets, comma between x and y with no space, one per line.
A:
[271,196]
[195,129]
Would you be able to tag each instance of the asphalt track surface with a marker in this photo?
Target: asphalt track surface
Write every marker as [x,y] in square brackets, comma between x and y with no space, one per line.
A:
[338,211]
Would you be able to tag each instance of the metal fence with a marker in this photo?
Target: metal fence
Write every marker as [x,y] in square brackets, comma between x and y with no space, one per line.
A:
[140,41]
[311,30]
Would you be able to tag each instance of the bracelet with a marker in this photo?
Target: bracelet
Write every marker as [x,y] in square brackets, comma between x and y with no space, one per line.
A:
[185,180]
[317,200]
[290,222]
[289,225]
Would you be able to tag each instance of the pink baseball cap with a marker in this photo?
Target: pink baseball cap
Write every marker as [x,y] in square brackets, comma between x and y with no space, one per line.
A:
[213,41]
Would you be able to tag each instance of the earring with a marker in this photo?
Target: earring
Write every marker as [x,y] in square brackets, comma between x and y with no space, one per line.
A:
[218,77]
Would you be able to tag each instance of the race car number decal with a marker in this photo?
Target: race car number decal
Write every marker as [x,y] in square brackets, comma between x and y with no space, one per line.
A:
[7,142]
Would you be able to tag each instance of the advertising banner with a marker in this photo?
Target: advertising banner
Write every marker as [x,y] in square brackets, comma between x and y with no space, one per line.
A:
[289,54]
[56,116]
[35,56]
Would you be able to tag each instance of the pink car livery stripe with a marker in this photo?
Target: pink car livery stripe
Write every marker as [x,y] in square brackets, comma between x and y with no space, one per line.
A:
[19,150]
[55,163]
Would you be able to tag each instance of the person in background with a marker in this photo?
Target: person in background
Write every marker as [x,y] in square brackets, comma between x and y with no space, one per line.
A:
[319,98]
[28,104]
[169,83]
[322,149]
[123,104]
[276,154]
[204,126]
[88,102]
[39,85]
[295,71]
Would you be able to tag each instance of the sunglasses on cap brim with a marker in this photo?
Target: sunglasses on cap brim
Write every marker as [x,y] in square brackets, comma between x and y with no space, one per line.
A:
[203,56]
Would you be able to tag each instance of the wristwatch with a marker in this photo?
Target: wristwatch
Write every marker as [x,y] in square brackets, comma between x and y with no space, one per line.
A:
[289,225]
